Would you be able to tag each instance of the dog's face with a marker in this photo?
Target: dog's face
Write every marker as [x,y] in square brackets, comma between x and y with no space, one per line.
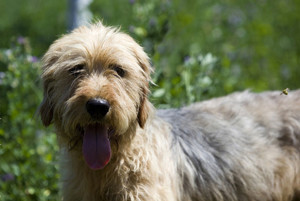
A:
[95,85]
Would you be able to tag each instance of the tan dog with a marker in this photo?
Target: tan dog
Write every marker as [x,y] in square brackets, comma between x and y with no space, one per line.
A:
[115,147]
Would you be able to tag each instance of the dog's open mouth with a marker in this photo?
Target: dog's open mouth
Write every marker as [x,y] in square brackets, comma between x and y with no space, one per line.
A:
[96,145]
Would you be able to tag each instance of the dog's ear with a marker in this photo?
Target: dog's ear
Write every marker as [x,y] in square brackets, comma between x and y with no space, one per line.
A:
[46,107]
[145,106]
[46,110]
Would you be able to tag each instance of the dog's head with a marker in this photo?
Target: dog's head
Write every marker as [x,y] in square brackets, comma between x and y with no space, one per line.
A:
[95,85]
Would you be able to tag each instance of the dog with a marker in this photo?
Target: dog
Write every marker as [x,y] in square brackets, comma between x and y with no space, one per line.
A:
[114,146]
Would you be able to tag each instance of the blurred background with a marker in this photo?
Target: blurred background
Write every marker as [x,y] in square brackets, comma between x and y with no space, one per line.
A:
[199,48]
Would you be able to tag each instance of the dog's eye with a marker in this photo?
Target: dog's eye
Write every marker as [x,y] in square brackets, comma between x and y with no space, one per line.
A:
[76,70]
[118,69]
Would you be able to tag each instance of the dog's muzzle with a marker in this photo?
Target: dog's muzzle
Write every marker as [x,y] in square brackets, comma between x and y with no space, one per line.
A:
[97,108]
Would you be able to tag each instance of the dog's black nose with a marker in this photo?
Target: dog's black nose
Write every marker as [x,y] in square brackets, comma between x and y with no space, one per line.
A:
[97,107]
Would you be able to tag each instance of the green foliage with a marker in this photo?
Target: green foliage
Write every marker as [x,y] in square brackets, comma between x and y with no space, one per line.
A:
[27,153]
[193,83]
[42,21]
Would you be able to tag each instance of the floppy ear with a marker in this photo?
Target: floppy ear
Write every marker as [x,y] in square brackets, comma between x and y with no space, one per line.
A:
[46,111]
[144,108]
[46,107]
[145,105]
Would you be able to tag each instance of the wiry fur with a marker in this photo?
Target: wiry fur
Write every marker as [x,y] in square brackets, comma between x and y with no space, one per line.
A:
[242,147]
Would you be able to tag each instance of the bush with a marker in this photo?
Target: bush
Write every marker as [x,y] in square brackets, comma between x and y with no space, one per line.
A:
[28,168]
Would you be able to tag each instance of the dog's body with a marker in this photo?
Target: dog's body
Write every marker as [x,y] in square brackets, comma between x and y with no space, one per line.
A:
[115,147]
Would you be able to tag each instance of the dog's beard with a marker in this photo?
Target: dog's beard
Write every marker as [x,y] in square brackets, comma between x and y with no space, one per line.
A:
[93,137]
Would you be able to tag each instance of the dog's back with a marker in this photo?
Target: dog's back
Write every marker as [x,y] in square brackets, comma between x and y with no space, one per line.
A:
[244,146]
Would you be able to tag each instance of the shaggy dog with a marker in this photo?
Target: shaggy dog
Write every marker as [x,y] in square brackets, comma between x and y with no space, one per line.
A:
[115,147]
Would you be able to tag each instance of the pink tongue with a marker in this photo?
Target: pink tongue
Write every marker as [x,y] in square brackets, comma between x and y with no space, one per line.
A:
[96,146]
